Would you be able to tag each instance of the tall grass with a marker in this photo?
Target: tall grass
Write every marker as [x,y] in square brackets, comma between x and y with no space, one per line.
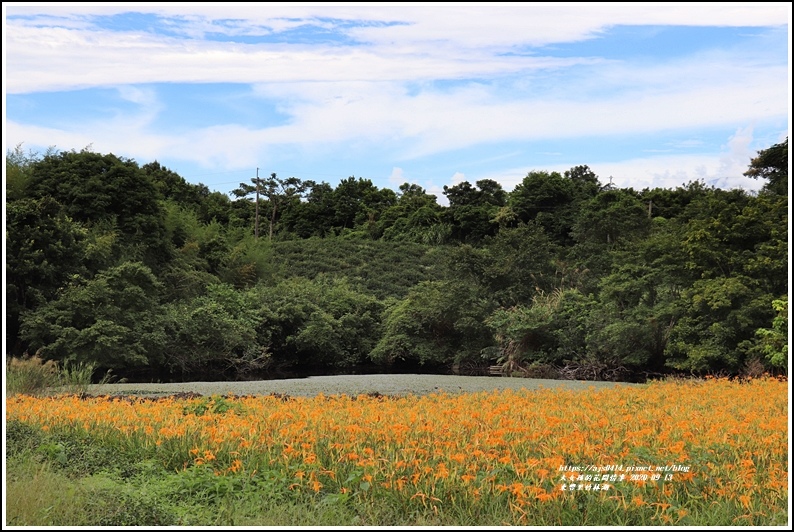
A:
[31,375]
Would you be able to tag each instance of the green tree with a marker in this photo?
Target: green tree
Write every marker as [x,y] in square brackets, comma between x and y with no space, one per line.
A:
[610,217]
[439,322]
[546,198]
[359,203]
[95,188]
[247,263]
[319,322]
[510,267]
[719,317]
[111,321]
[736,253]
[772,164]
[671,203]
[472,211]
[44,249]
[415,217]
[19,169]
[586,184]
[738,234]
[214,248]
[524,333]
[315,216]
[172,186]
[279,193]
[713,237]
[213,333]
[773,342]
[217,207]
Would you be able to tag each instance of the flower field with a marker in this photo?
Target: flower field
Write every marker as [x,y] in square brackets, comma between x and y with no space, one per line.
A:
[673,452]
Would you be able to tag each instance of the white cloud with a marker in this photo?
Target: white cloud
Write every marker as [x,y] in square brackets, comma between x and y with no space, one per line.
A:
[396,177]
[471,25]
[431,41]
[382,95]
[724,170]
[735,161]
[47,59]
[434,121]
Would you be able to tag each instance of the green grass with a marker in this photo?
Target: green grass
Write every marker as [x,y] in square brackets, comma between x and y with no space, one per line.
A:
[31,375]
[39,493]
[58,479]
[66,476]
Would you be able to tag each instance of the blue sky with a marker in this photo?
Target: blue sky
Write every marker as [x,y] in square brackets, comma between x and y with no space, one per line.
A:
[649,94]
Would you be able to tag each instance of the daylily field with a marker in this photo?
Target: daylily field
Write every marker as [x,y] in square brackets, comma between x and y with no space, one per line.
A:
[678,452]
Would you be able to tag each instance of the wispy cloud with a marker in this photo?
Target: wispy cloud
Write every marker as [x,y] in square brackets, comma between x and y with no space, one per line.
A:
[395,85]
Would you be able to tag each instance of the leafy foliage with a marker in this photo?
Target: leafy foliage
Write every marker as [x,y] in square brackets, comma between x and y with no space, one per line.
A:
[438,322]
[322,321]
[125,266]
[772,164]
[111,321]
[383,269]
[773,341]
[93,187]
[215,331]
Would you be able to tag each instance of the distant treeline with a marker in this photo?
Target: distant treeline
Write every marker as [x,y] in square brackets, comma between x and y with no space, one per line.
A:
[134,269]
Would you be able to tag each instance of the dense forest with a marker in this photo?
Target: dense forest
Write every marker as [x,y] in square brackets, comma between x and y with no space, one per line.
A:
[132,268]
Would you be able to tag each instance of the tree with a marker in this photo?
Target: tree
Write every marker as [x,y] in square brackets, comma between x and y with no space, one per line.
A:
[279,192]
[213,332]
[585,182]
[732,232]
[357,202]
[317,322]
[315,216]
[772,164]
[672,203]
[19,168]
[95,188]
[216,207]
[439,322]
[611,221]
[515,264]
[173,187]
[546,198]
[635,313]
[112,321]
[610,217]
[44,248]
[415,216]
[719,319]
[773,342]
[472,211]
[524,333]
[247,263]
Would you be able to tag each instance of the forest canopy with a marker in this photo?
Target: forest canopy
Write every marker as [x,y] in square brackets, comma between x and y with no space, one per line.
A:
[132,268]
